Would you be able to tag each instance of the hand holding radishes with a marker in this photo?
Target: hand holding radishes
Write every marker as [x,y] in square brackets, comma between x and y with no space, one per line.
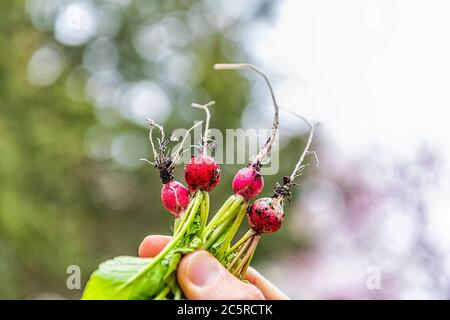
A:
[202,277]
[153,276]
[137,278]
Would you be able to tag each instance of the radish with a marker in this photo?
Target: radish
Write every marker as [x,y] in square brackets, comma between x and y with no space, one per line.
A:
[265,215]
[248,182]
[202,172]
[174,195]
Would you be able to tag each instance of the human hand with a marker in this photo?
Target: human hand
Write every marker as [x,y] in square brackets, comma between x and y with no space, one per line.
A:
[202,277]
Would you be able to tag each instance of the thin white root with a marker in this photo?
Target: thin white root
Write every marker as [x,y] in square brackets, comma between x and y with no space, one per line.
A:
[208,117]
[148,161]
[306,151]
[153,125]
[299,166]
[265,150]
[176,156]
[315,157]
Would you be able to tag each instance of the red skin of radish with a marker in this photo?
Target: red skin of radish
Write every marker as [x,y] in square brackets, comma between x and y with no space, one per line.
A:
[265,215]
[202,173]
[175,197]
[248,182]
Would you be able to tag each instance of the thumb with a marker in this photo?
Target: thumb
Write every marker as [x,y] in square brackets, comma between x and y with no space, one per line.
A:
[202,277]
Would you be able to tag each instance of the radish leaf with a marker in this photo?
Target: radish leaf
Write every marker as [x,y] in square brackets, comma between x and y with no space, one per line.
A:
[124,278]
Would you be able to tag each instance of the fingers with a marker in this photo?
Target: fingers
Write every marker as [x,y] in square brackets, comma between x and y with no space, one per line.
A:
[152,245]
[202,277]
[267,288]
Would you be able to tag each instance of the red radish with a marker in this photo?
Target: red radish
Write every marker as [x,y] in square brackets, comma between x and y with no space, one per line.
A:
[174,195]
[248,182]
[265,215]
[202,172]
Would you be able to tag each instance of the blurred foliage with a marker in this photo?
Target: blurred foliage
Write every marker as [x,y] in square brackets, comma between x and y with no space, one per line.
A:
[65,197]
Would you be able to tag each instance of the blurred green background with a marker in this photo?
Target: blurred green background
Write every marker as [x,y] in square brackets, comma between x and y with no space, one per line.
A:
[77,80]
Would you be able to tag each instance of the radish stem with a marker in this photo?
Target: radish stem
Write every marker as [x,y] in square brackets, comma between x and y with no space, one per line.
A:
[191,215]
[222,209]
[204,210]
[229,212]
[248,254]
[230,233]
[240,253]
[249,234]
[162,295]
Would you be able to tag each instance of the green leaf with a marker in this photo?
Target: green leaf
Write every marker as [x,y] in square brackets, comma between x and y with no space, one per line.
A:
[132,278]
[124,278]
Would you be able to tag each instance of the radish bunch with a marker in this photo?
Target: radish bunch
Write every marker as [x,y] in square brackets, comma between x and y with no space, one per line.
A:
[127,277]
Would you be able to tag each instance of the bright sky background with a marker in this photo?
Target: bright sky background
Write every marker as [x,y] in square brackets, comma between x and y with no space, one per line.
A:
[372,71]
[376,74]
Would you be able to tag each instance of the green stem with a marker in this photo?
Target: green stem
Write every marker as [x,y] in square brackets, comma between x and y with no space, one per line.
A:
[222,217]
[230,211]
[162,295]
[236,246]
[177,295]
[191,215]
[215,235]
[204,210]
[185,214]
[248,257]
[240,253]
[222,224]
[232,231]
[176,225]
[218,214]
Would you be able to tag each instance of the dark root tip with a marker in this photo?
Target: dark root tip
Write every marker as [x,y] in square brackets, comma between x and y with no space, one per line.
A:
[282,191]
[256,165]
[165,170]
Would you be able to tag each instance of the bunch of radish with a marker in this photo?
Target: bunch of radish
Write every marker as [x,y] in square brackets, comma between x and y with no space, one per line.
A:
[127,277]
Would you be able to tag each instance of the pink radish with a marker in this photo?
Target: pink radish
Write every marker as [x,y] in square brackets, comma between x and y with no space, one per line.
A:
[174,195]
[248,182]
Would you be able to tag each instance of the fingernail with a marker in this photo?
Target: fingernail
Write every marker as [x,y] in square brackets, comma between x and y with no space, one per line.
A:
[202,269]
